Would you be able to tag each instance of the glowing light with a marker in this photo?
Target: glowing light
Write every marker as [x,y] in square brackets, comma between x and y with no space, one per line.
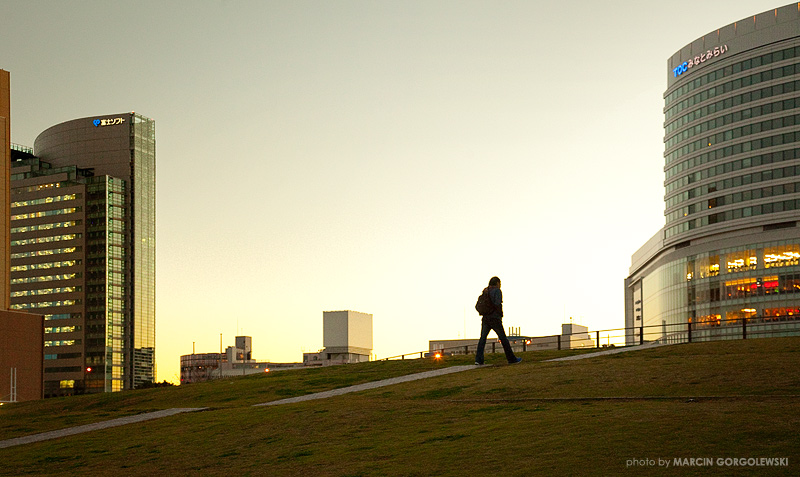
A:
[266,370]
[88,369]
[437,355]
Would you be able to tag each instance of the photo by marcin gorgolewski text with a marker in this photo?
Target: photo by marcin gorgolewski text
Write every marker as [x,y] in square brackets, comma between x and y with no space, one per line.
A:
[709,462]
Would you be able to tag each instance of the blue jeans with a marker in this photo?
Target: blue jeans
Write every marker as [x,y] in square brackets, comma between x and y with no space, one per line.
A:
[496,325]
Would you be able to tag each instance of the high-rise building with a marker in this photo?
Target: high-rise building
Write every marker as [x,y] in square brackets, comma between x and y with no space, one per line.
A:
[728,258]
[83,250]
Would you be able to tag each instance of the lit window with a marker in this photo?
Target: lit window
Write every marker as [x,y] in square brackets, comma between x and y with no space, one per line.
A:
[781,256]
[742,261]
[50,343]
[45,200]
[45,213]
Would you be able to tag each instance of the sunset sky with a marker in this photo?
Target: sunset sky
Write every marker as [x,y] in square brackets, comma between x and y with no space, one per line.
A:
[376,156]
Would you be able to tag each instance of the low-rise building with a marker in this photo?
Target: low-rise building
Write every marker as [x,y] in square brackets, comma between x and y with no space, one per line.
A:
[235,361]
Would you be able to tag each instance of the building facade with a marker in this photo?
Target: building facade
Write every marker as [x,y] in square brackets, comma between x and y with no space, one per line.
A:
[83,250]
[347,337]
[235,361]
[726,261]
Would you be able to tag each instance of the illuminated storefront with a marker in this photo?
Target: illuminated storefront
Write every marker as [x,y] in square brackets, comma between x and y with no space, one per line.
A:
[726,263]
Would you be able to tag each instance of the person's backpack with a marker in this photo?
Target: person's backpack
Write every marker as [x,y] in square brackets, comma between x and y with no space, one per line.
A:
[484,304]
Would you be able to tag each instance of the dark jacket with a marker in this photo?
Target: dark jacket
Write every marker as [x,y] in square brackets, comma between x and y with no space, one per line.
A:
[497,299]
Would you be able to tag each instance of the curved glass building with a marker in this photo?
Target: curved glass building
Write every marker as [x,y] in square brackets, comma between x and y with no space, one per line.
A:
[727,262]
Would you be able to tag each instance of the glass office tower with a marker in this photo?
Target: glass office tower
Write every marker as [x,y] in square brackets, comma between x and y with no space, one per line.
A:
[727,258]
[112,162]
[67,263]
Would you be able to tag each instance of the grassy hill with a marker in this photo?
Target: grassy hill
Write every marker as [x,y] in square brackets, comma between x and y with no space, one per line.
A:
[597,416]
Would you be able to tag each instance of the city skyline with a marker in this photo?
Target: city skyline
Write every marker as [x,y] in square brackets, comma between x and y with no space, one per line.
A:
[387,158]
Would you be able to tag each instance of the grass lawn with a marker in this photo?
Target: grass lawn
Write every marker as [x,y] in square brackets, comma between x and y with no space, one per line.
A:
[727,399]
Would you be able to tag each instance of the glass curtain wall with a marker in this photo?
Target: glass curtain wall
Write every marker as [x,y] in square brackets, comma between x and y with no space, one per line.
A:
[142,259]
[105,283]
[717,291]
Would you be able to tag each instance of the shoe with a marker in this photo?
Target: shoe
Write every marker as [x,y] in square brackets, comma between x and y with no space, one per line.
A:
[515,362]
[478,364]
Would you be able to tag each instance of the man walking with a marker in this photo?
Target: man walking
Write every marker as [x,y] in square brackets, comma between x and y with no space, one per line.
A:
[492,319]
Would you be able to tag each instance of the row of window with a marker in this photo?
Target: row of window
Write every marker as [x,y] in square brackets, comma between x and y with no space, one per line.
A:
[731,118]
[50,343]
[744,288]
[62,316]
[63,369]
[45,304]
[734,85]
[736,133]
[731,102]
[730,199]
[725,168]
[103,235]
[54,225]
[44,200]
[722,184]
[49,239]
[61,329]
[62,356]
[736,149]
[752,211]
[45,265]
[114,288]
[750,315]
[35,188]
[732,69]
[42,253]
[44,278]
[46,213]
[665,291]
[784,254]
[44,291]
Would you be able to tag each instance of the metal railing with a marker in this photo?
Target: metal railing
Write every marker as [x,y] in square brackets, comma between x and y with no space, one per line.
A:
[688,332]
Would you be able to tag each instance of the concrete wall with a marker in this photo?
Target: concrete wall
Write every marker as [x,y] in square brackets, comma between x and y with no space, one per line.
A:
[347,329]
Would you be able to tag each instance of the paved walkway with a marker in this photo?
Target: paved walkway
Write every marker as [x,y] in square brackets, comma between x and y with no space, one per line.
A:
[438,372]
[96,426]
[372,385]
